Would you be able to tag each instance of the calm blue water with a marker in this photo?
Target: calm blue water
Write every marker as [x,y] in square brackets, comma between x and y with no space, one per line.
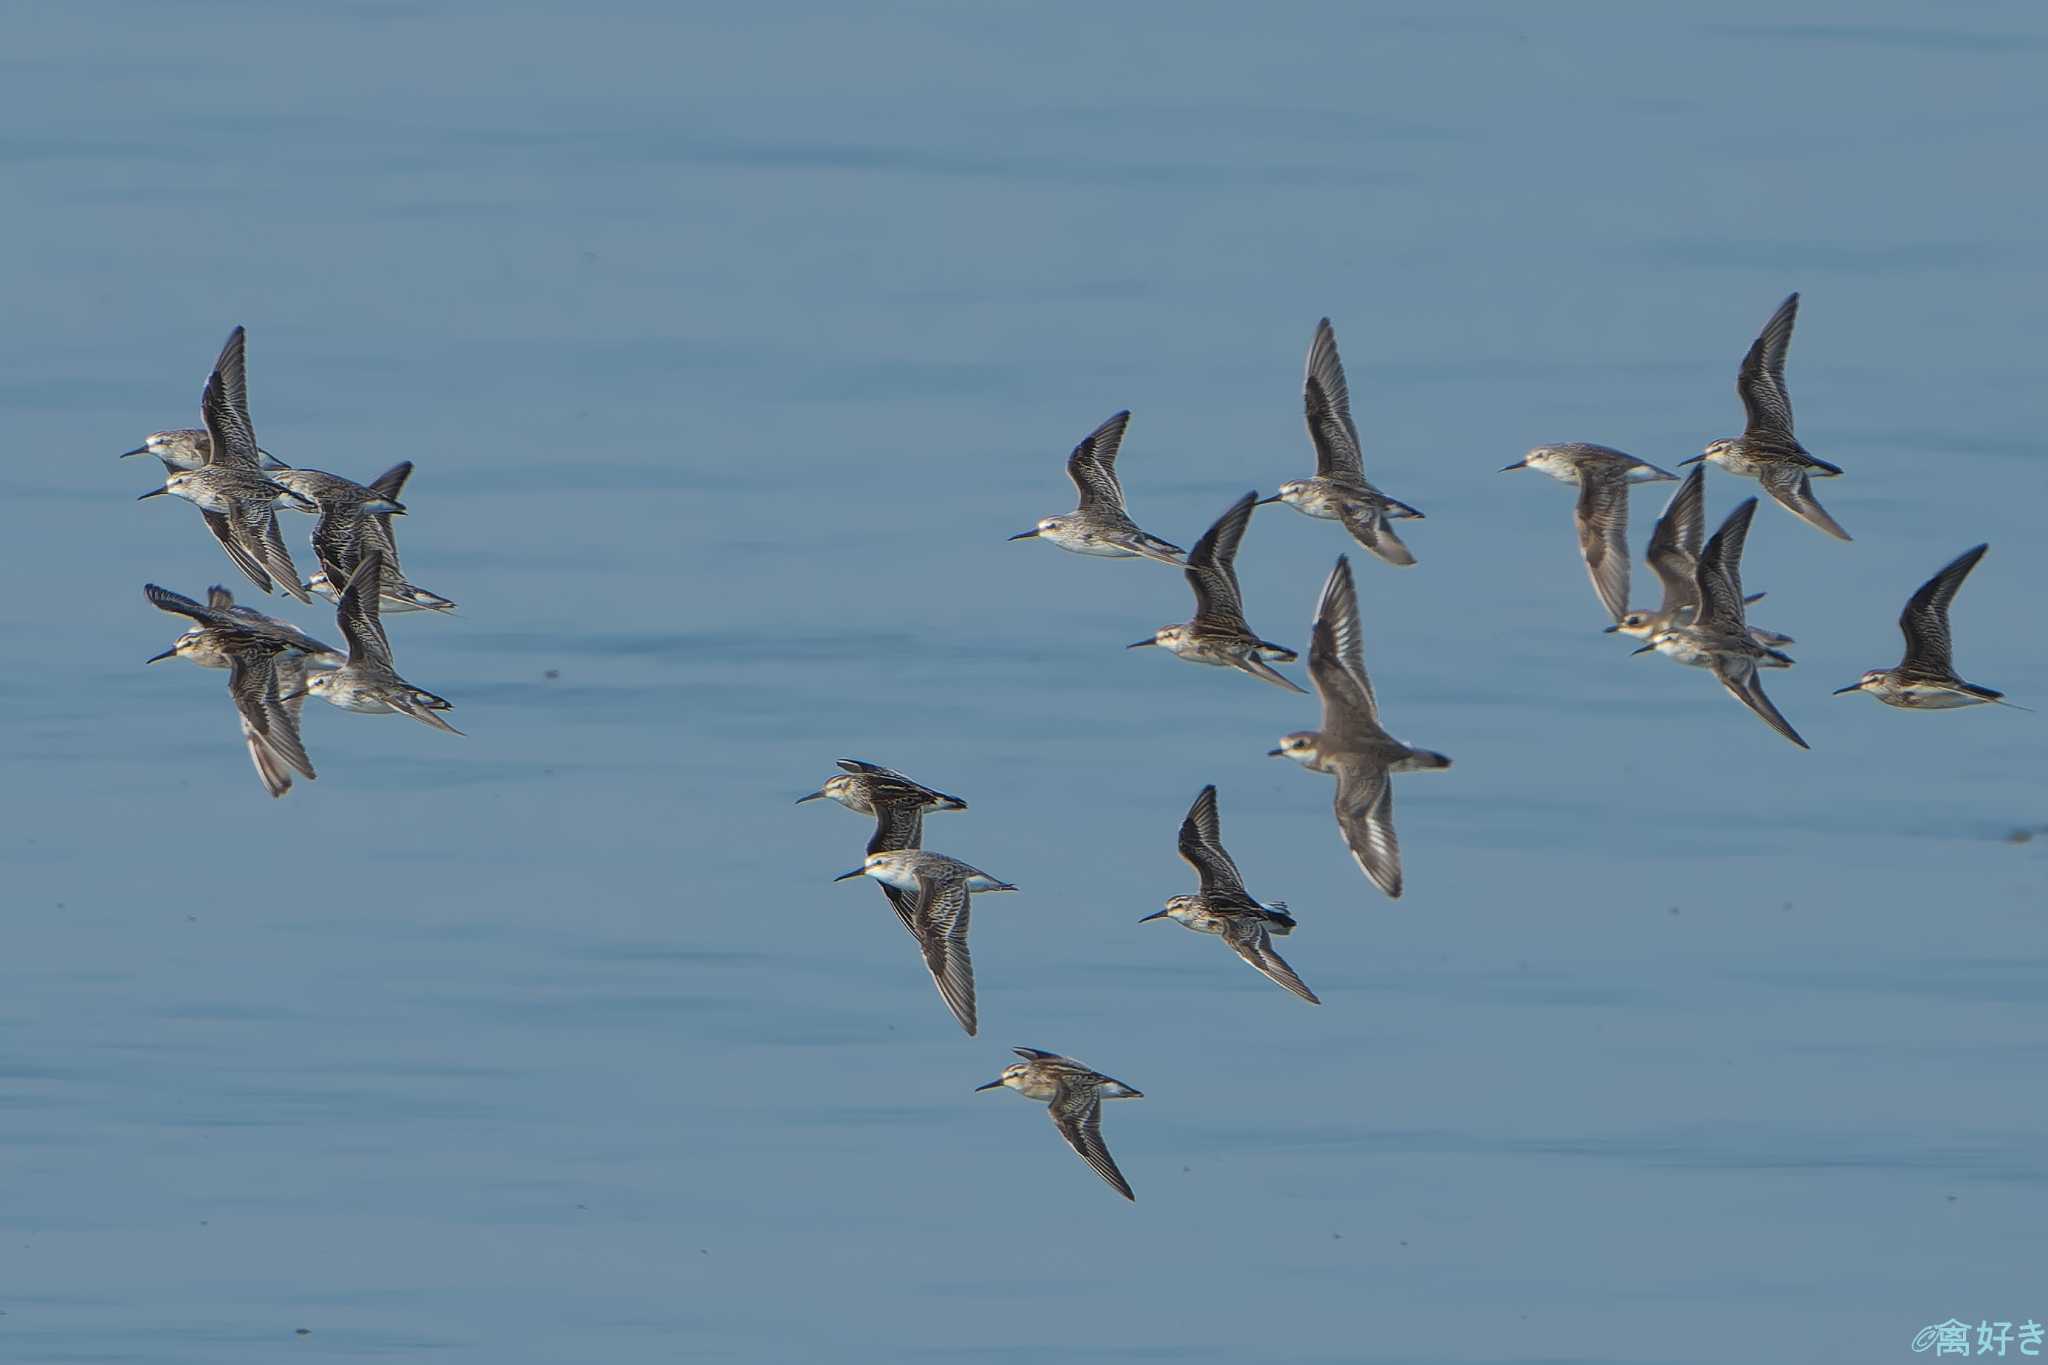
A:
[730,344]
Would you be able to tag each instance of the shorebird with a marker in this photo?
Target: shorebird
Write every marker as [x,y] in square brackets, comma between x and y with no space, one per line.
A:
[368,682]
[374,529]
[262,655]
[1218,634]
[236,500]
[1223,906]
[1074,1094]
[1926,678]
[1767,451]
[1352,746]
[898,805]
[1674,555]
[189,448]
[1603,475]
[202,642]
[1100,526]
[1718,637]
[1340,491]
[345,507]
[940,889]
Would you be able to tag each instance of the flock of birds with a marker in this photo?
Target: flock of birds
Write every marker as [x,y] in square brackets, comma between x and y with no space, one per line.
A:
[1700,622]
[273,666]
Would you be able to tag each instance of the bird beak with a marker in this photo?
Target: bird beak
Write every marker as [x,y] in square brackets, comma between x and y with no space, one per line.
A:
[858,871]
[1609,630]
[1276,753]
[1518,464]
[154,493]
[812,797]
[170,653]
[995,1084]
[1644,650]
[1140,644]
[1694,460]
[1156,914]
[1025,535]
[139,450]
[1260,503]
[294,696]
[1852,687]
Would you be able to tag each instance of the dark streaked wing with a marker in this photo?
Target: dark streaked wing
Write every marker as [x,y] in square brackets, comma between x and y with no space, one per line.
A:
[1738,675]
[1251,941]
[163,599]
[1327,397]
[230,540]
[290,667]
[1366,520]
[1077,1112]
[1674,550]
[904,903]
[1718,579]
[1092,466]
[940,920]
[1201,843]
[1924,622]
[1210,570]
[357,614]
[1365,816]
[1336,659]
[1761,381]
[258,522]
[898,825]
[1793,488]
[405,701]
[337,540]
[1602,519]
[224,406]
[219,598]
[252,682]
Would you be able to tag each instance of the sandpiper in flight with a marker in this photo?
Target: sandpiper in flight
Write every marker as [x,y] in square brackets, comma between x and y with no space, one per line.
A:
[1340,491]
[1218,634]
[1100,526]
[1767,451]
[1074,1094]
[898,805]
[1223,906]
[1926,678]
[234,499]
[1674,555]
[1718,637]
[942,893]
[260,654]
[374,529]
[1603,475]
[1352,746]
[368,682]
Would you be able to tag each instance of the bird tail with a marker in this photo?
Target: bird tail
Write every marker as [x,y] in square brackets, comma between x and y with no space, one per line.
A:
[1428,759]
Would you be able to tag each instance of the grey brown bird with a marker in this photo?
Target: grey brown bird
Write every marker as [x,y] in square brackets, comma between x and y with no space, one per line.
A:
[1926,678]
[1603,475]
[236,500]
[368,682]
[1718,637]
[373,530]
[1352,746]
[898,804]
[1223,907]
[1339,491]
[1767,451]
[941,891]
[1674,556]
[261,656]
[1073,1094]
[1217,633]
[1100,525]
